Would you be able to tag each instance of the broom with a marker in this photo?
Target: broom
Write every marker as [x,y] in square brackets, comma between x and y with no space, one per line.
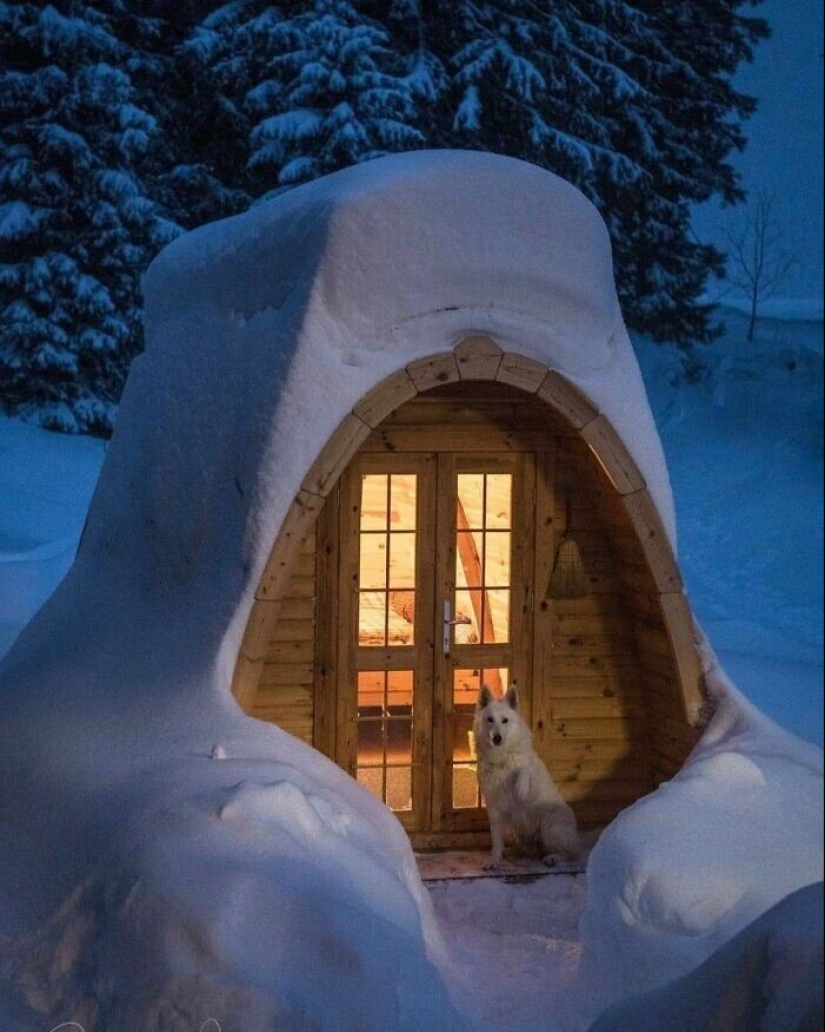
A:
[569,577]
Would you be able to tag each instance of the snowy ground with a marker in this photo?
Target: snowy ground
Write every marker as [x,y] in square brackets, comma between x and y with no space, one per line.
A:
[516,952]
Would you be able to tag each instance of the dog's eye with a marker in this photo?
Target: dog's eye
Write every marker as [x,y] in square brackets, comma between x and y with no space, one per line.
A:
[489,720]
[505,721]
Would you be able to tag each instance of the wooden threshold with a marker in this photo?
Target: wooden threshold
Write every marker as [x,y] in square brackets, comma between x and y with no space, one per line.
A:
[469,866]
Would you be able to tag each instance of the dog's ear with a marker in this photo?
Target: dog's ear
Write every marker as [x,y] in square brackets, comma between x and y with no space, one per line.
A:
[511,698]
[485,697]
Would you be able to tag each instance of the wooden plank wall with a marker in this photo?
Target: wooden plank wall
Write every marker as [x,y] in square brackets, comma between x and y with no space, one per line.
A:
[671,738]
[286,686]
[606,707]
[597,746]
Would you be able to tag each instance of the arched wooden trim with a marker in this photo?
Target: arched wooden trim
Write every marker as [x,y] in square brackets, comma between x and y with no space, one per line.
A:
[334,456]
[654,541]
[385,398]
[678,620]
[524,373]
[614,458]
[479,358]
[434,371]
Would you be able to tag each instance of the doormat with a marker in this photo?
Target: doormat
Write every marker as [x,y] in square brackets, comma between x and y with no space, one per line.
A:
[458,866]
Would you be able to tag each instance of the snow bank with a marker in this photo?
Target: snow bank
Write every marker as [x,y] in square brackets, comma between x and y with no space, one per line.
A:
[769,977]
[270,901]
[688,867]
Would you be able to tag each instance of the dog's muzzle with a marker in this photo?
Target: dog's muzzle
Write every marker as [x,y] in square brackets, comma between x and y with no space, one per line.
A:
[496,739]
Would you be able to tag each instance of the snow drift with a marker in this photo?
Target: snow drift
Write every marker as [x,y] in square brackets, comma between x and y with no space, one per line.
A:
[683,870]
[769,977]
[166,859]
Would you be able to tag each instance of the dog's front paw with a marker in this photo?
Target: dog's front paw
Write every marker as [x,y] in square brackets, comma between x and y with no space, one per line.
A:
[493,864]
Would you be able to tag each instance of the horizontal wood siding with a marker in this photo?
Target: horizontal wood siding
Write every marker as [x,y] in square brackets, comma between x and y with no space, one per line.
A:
[285,689]
[596,741]
[671,738]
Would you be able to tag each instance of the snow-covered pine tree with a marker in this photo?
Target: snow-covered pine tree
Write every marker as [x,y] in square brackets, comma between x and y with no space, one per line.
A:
[631,102]
[318,83]
[684,126]
[199,153]
[337,97]
[76,226]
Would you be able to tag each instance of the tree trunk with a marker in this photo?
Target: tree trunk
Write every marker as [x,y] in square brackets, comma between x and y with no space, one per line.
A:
[752,326]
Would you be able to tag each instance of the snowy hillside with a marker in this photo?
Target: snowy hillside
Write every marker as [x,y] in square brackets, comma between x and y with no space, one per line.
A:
[744,449]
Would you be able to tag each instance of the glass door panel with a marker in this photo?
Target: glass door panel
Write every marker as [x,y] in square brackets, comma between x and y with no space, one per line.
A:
[385,680]
[385,735]
[481,573]
[387,568]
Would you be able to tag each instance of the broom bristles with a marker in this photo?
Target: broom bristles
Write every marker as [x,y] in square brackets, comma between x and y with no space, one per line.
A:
[569,577]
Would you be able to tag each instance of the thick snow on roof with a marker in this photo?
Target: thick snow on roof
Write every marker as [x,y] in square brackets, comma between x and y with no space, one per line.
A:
[265,330]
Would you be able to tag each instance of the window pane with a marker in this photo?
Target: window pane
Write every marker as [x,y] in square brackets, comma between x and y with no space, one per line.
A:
[400,692]
[403,490]
[465,789]
[372,618]
[497,560]
[469,550]
[497,680]
[399,741]
[372,780]
[499,501]
[470,500]
[467,607]
[374,502]
[373,572]
[497,626]
[399,788]
[402,617]
[463,743]
[370,743]
[371,693]
[402,611]
[402,561]
[466,686]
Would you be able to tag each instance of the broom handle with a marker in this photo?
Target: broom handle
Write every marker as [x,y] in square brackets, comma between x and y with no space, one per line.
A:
[568,513]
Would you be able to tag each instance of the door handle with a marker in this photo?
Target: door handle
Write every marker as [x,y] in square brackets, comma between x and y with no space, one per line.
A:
[448,623]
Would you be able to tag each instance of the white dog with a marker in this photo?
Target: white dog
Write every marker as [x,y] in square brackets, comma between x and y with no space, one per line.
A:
[517,788]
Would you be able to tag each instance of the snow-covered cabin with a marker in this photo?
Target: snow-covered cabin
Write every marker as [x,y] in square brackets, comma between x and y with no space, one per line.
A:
[368,413]
[384,400]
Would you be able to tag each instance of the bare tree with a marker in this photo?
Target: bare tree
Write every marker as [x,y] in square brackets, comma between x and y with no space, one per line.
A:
[757,260]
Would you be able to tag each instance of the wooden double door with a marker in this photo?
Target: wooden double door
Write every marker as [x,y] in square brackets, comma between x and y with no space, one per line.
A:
[432,596]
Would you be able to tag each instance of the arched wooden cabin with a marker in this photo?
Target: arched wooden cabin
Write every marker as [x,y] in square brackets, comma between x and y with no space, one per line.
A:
[415,563]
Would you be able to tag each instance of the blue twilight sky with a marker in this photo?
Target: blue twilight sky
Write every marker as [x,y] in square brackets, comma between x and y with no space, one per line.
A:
[785,151]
